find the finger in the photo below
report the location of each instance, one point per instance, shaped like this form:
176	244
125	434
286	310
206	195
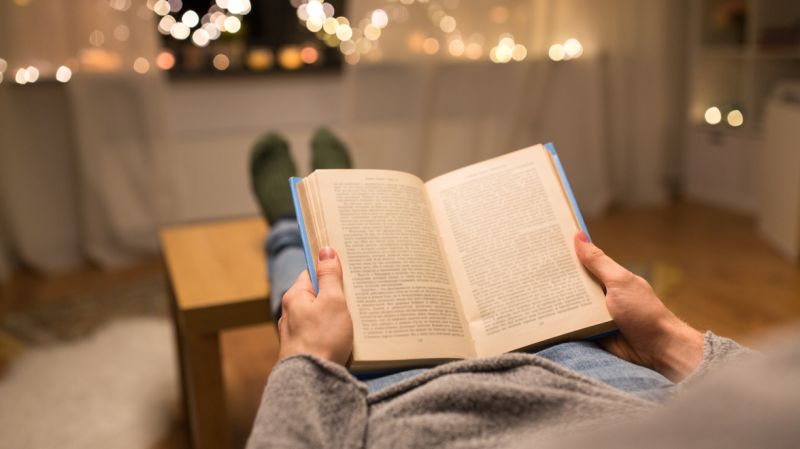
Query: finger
281	327
329	272
597	262
303	283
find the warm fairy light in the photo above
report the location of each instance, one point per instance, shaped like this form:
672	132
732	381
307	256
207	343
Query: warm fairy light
317	16
372	32
165	60
556	52
19	77
120	5
212	30
344	32
175	5
161	7
141	65
63	74
200	37
572	49
165	24
233	24
713	115
347	47
309	55
329	25
3	65
31	74
122	33
430	46
289	58
221	62
519	52
352	58
314	24
506	41
474	51
190	19
507	49
456	47
179	31
379	18
259	59
97	38
735	118
448	24
238	6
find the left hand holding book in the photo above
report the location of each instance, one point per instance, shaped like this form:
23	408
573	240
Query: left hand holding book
317	324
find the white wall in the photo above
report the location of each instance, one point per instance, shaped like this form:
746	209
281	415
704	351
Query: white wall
216	122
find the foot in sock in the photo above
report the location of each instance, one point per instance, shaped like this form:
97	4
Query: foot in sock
271	166
327	151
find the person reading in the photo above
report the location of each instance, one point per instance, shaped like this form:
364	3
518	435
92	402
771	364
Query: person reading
511	400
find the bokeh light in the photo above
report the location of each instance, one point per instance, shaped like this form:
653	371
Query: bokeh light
713	115
165	60
221	62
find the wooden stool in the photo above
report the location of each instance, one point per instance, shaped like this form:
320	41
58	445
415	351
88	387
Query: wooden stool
218	280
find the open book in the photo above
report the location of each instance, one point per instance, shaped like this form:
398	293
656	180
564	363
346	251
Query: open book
476	262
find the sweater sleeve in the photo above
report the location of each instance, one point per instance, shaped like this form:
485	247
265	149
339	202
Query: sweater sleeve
717	351
309	402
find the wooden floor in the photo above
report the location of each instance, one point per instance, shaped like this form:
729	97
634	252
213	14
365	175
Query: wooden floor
709	266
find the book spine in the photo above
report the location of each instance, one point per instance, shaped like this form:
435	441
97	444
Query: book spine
561	174
312	272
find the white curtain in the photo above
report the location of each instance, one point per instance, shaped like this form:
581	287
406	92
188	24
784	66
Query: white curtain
80	175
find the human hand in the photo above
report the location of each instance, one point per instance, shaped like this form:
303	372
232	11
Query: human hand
650	335
318	325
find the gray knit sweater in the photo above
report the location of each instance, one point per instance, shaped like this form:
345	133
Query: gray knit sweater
513	400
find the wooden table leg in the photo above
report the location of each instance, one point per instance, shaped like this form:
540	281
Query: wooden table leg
205	392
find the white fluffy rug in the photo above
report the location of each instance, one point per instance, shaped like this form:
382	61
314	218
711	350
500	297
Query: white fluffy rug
114	390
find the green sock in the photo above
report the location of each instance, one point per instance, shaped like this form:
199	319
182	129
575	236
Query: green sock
327	151
271	166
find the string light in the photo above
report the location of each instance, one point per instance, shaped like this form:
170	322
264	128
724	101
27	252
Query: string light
570	49
165	60
200	37
31	74
232	24
141	65
221	62
713	115
507	49
179	31
63	74
20	77
259	59
190	19
319	17
735	118
556	52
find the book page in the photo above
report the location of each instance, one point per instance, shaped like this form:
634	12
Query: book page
398	286
508	230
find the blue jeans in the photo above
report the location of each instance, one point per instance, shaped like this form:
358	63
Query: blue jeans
287	260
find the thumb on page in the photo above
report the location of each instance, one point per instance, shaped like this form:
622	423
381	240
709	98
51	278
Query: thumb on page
329	273
597	262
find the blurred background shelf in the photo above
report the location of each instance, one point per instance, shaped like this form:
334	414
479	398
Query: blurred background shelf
741	51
